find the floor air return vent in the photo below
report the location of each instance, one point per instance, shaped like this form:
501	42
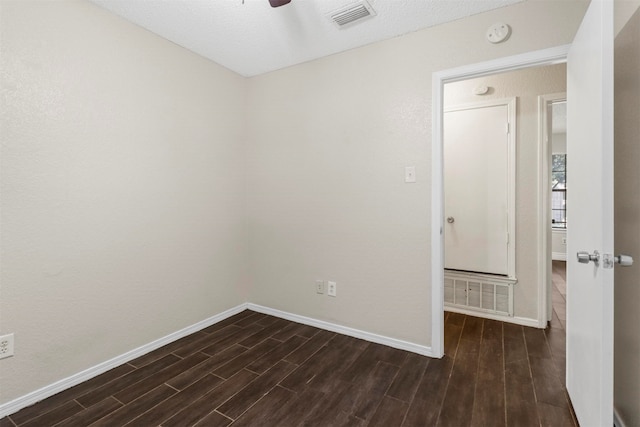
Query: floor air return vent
468	293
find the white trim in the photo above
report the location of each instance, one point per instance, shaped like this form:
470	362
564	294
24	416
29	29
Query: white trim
468	275
617	419
480	104
437	217
554	55
66	383
523	321
344	330
544	229
558	256
511	104
29	399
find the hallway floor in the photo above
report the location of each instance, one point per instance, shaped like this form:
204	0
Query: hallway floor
559	292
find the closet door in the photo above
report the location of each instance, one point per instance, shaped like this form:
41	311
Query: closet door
476	187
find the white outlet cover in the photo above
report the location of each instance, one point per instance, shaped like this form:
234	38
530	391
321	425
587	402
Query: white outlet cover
6	346
331	289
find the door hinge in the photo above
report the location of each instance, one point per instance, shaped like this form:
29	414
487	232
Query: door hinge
507	238
507	128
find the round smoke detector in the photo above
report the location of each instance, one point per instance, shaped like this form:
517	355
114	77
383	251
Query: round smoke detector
497	33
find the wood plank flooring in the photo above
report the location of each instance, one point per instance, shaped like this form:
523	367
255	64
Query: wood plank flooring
257	370
559	291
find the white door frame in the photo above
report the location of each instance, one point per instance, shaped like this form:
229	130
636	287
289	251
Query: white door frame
544	198
549	56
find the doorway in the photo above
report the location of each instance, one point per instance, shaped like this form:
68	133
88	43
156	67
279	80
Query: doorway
589	345
553	145
501	153
520	62
533	194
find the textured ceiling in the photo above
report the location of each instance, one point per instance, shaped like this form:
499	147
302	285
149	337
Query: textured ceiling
251	38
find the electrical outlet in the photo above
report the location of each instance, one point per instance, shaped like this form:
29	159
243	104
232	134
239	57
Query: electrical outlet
331	289
6	346
319	287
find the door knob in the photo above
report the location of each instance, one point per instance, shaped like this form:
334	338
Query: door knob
607	259
451	220
585	257
623	260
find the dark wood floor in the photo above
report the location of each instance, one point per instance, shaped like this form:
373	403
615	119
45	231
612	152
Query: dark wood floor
253	369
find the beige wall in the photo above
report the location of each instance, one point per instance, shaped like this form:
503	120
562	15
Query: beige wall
330	140
122	189
627	221
126	164
624	10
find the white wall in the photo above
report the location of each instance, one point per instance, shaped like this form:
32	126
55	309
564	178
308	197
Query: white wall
526	85
330	140
122	189
627	221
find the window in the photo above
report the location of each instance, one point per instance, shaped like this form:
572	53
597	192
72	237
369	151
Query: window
559	191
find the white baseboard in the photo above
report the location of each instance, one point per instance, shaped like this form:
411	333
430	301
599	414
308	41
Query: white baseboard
522	321
48	391
559	256
526	321
617	420
344	330
29	399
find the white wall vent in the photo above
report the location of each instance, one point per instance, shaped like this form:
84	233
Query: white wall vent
349	14
478	292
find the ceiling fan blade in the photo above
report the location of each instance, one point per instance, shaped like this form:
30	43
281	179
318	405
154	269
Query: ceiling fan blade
278	3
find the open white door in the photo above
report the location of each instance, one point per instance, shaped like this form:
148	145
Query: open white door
590	217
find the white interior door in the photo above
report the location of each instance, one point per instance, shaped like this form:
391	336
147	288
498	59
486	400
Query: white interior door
590	217
476	184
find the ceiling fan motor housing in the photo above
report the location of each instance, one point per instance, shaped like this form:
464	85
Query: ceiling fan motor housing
278	3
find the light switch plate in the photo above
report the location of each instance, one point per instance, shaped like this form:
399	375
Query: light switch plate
410	174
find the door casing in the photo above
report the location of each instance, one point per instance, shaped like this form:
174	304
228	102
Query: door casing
542	57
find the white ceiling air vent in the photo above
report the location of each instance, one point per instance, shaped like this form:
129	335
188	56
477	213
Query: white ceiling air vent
352	13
